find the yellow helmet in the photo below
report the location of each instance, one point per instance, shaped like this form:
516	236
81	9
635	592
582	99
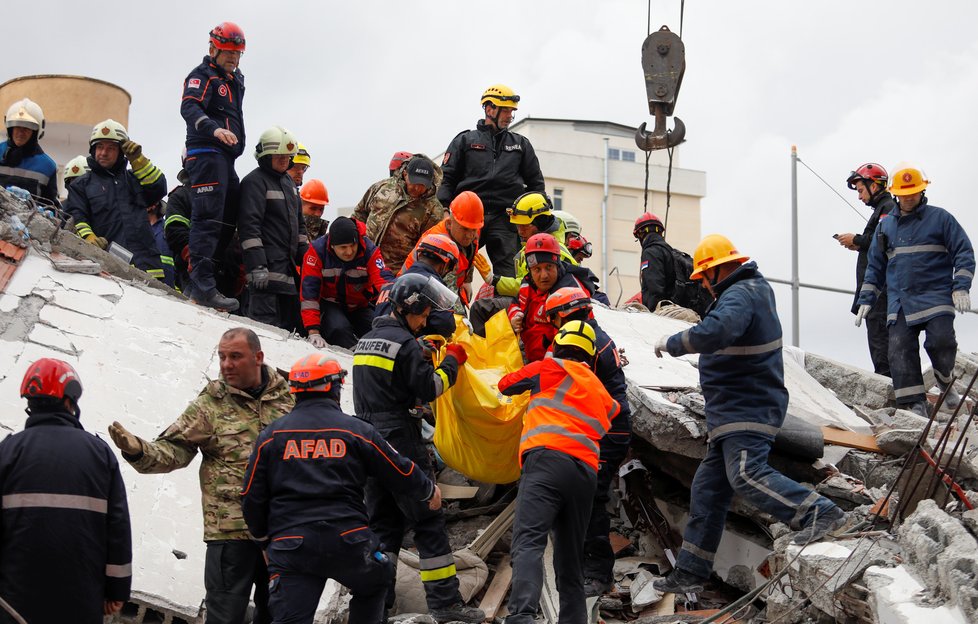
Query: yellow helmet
25	114
76	167
501	96
712	251
109	130
908	180
528	207
302	156
276	140
577	334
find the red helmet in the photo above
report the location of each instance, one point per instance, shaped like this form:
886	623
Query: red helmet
579	245
868	172
646	220
315	373
442	247
52	379
567	300
398	159
228	36
542	247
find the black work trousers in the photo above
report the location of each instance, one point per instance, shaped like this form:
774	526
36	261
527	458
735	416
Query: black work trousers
501	241
342	327
941	345
214	190
599	556
556	493
392	513
878	336
301	560
274	309
231	568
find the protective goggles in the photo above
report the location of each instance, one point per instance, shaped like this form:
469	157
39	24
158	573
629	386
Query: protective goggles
505	98
233	39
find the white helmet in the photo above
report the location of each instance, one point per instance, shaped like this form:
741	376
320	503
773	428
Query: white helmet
571	224
109	130
276	140
76	167
25	114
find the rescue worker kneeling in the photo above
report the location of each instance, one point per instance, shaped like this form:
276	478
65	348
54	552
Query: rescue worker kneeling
391	376
303	498
569	413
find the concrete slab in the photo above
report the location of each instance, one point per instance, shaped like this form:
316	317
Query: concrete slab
898	598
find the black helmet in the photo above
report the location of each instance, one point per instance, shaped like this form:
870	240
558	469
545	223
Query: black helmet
412	293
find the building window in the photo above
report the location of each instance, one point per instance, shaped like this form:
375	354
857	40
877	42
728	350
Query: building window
627	262
628	156
614	153
558	199
619	154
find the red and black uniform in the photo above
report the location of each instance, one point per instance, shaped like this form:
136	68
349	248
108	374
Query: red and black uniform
391	376
569	412
303	502
65	540
337	298
211	100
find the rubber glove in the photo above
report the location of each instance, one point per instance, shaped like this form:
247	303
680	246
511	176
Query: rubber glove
458	352
481	265
861	314
962	301
317	341
660	346
134	153
98	241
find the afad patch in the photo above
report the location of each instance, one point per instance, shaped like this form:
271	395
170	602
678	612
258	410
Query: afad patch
193	83
445	158
380	263
645	264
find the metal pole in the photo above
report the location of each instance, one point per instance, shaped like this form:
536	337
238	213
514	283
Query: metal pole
795	311
604	220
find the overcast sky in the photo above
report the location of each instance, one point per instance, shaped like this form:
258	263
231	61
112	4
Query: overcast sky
846	82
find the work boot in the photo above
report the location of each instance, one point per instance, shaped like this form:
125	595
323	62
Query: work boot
824	523
920	408
218	301
679	582
595	587
952	399
458	612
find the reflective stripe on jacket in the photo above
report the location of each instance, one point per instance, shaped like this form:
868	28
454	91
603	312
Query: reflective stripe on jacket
570	411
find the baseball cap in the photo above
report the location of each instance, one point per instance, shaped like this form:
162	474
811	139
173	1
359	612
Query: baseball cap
421	171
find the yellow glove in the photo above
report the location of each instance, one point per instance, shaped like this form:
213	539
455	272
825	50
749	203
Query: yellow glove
98	241
481	265
134	153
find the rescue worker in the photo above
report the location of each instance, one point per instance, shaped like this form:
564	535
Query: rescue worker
211	107
572	227
547	273
579	247
568	413
109	202
869	181
568	305
436	256
303	498
315	198
300	163
342	275
272	232
657	272
924	258
401	209
65	539
461	224
398	160
22	161
498	166
222	423
75	168
742	374
154	213
391	376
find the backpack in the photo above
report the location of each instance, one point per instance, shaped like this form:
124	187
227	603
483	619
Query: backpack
686	292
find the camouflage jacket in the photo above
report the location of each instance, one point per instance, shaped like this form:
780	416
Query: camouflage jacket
386	209
223	424
315	227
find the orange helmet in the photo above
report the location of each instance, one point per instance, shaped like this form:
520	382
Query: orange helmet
228	36
315	373
566	301
467	210
442	247
314	192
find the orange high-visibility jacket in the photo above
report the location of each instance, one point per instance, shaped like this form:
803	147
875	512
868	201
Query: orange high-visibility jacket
570	410
462	271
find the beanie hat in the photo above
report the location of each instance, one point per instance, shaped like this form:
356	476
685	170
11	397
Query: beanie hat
343	231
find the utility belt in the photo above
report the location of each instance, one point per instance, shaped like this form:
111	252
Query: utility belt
397	418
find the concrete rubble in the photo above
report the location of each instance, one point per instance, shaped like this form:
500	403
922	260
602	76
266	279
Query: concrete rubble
148	351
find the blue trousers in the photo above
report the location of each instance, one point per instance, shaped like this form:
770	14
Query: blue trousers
940	344
737	464
214	196
302	559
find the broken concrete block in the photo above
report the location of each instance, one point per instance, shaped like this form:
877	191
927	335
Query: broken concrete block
641	591
852	385
902	433
970	520
944	553
896	597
